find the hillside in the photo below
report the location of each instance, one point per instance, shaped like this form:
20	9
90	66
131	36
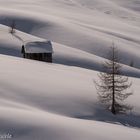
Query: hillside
58	101
39	111
90	26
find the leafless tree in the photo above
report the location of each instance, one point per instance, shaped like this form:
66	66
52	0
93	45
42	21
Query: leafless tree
12	27
132	63
113	87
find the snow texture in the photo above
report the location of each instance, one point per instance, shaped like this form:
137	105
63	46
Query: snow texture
58	101
38	47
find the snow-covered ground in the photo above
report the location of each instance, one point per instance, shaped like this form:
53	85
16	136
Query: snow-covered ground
56	101
51	101
90	25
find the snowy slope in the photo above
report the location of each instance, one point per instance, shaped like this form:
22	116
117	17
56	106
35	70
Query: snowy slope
11	45
59	102
40	111
89	25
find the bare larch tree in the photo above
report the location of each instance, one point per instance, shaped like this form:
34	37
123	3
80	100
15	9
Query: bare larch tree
113	86
12	27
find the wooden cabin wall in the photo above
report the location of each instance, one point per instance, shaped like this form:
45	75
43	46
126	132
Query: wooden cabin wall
47	57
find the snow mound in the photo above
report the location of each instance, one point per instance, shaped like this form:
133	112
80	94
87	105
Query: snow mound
37	109
89	25
59	102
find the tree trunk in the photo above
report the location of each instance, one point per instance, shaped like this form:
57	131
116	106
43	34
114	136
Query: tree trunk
113	109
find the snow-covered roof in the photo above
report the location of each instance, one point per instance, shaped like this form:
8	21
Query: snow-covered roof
39	47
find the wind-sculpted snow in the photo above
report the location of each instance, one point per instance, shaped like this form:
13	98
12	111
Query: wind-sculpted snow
90	26
58	101
51	101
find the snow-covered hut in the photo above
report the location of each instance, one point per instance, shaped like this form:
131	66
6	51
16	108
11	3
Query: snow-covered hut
37	50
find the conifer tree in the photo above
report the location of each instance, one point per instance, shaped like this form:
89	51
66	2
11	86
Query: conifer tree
113	87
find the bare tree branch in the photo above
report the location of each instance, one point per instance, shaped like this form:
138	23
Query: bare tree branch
112	86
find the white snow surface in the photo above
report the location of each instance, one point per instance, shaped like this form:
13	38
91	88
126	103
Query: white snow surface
90	26
58	101
39	47
48	101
